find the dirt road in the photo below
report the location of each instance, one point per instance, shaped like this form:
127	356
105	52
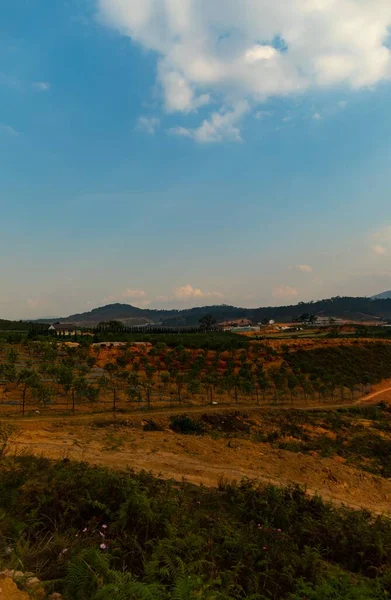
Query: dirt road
38	421
204	460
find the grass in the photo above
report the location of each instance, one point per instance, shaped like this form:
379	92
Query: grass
362	436
113	443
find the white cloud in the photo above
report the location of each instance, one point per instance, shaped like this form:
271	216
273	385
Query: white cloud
148	124
219	127
7	129
187	292
43	86
379	249
134	294
284	292
316	116
342	104
260	52
229	52
304	268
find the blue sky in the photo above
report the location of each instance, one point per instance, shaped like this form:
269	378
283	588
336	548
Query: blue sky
165	154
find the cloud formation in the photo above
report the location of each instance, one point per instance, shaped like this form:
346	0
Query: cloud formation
219	127
304	268
379	249
148	124
187	292
134	294
232	54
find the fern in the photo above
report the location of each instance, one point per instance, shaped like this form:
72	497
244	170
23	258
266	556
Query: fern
183	588
192	588
125	589
85	573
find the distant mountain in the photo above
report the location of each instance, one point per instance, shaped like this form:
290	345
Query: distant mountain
383	296
354	309
133	316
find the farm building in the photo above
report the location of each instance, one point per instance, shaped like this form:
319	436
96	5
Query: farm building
65	329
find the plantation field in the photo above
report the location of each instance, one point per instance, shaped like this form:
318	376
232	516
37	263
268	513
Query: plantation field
58	378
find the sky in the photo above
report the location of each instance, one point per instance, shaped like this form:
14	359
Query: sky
173	153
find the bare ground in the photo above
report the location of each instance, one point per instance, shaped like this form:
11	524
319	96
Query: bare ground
203	460
9	591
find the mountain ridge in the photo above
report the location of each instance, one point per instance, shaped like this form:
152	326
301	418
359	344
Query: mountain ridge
382	296
345	307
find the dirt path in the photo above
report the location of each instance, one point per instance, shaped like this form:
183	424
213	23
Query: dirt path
370	397
38	421
203	460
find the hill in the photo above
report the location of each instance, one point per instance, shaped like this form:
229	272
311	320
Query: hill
383	296
349	308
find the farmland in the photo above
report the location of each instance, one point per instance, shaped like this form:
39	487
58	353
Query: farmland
103	449
51	376
70	378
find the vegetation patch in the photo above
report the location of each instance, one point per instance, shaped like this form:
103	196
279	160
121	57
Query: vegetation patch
186	425
92	534
231	422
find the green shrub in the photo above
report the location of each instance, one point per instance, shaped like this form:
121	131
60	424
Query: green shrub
185	425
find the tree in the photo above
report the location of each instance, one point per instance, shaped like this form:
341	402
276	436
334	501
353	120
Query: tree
132	389
165	378
180	384
194	386
207	322
65	378
112	369
81	389
27	378
12	356
292	384
263	384
147	384
42	392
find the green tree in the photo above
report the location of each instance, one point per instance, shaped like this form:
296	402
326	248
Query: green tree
207	322
132	389
112	371
27	378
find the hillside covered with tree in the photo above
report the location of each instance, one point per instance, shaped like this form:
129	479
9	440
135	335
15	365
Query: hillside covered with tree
358	309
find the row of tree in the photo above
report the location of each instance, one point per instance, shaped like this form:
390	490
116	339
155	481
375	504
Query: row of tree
179	375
